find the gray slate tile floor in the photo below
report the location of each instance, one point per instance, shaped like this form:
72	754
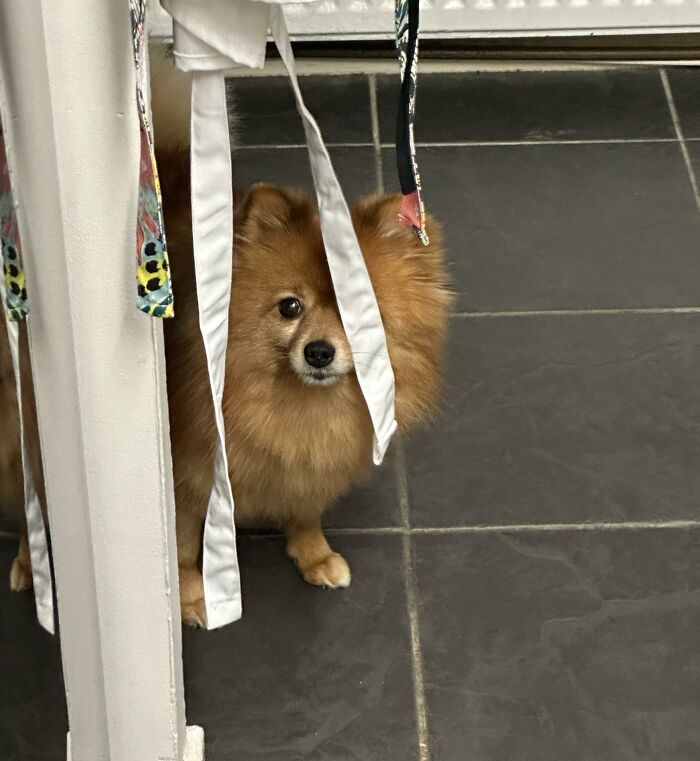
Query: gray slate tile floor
527	572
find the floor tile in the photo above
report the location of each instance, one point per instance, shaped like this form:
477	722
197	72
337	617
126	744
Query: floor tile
532	105
308	673
564	227
266	114
685	86
563	420
550	646
33	721
289	167
287	682
694	153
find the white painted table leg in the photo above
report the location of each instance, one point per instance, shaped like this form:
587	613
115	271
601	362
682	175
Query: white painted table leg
194	745
99	377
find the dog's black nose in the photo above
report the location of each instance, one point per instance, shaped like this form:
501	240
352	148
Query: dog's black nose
319	353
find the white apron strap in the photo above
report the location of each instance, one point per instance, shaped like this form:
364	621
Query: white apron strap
212	235
36	532
199	35
357	303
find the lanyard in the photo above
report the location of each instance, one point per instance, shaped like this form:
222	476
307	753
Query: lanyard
412	210
154	289
17	305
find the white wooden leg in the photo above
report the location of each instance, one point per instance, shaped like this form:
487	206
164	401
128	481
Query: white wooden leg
194	745
99	376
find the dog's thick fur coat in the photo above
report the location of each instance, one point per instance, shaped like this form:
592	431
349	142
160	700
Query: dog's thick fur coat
294	447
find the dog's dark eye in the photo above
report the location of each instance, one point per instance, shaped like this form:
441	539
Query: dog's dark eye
290	308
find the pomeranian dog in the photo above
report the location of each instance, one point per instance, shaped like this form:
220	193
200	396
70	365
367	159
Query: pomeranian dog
298	431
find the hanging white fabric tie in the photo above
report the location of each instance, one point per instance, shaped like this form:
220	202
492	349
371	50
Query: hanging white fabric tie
357	303
212	236
208	39
36	531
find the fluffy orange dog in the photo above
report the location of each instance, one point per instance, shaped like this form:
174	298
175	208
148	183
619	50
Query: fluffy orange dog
298	430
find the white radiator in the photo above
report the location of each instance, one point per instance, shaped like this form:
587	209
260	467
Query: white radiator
444	19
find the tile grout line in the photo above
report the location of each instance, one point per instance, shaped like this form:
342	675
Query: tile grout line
527	143
679	133
409	577
411	587
535	527
382	530
402	486
479	529
576	312
376	142
296	146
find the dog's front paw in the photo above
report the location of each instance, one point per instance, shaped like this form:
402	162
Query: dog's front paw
332	572
20	576
192	608
193	614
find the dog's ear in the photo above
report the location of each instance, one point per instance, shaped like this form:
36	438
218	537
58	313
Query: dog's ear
267	207
377	215
376	219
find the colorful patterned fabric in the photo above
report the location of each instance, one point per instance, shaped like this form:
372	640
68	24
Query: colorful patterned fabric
155	294
15	286
412	211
